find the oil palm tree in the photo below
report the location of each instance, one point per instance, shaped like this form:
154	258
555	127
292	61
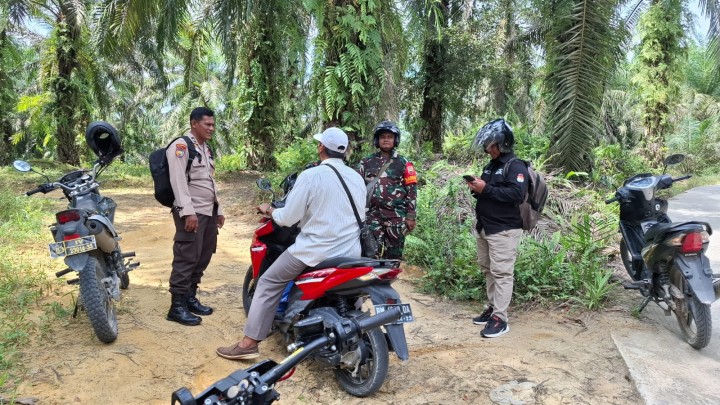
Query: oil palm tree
583	42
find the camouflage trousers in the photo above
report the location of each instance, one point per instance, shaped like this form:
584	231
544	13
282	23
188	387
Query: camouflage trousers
390	238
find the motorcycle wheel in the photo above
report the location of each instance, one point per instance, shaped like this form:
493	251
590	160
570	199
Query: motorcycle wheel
97	301
248	290
693	316
626	258
371	374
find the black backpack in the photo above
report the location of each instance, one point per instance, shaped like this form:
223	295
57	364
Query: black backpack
160	174
534	201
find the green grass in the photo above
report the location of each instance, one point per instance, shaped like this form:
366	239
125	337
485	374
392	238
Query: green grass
23	237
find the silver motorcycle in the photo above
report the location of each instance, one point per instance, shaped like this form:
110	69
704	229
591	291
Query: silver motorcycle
85	236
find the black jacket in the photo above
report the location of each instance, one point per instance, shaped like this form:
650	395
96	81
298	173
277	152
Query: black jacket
497	208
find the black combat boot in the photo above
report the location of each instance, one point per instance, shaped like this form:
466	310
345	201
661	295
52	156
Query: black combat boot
179	312
195	306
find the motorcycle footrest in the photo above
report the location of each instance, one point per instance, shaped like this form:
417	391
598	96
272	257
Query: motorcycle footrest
128	254
73	281
63	272
132	266
629	286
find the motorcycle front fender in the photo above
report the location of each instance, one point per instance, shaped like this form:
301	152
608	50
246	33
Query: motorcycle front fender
379	294
77	262
697	272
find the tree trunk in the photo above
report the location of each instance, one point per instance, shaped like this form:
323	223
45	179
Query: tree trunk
7	104
504	83
435	55
264	116
66	92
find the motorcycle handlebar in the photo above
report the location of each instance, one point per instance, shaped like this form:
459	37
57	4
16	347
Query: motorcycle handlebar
393	314
264	383
39	189
612	200
682	178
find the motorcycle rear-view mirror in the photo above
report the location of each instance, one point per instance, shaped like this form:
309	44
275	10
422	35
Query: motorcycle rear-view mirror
263	184
674	159
22	166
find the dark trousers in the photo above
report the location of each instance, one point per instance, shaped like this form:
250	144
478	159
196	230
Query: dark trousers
192	252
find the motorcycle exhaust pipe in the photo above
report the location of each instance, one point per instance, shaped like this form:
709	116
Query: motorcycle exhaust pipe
104	239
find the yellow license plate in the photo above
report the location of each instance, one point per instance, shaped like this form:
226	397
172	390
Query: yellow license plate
72	247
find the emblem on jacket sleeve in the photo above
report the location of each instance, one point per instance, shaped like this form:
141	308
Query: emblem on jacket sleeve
410	175
180	150
520	178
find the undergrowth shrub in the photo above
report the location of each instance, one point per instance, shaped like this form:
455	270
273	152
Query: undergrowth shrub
564	259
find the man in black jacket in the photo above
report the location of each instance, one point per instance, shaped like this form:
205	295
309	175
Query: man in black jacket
499	192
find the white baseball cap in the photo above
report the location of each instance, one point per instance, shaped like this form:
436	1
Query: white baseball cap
333	138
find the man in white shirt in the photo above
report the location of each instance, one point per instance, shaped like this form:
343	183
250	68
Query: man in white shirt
328	228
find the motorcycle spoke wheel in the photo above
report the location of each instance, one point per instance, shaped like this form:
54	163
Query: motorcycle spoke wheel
97	301
693	317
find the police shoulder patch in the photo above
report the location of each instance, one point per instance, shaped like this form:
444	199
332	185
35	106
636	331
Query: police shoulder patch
180	150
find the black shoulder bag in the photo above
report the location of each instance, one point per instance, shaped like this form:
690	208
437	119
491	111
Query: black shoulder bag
368	243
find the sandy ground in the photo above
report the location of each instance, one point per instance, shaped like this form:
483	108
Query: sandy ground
569	355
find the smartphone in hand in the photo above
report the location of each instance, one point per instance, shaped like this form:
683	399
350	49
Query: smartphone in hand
469	178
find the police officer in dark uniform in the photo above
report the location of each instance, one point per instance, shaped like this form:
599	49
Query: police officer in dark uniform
499	192
391	181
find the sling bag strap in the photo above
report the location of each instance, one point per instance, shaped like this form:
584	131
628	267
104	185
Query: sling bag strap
347	191
371	185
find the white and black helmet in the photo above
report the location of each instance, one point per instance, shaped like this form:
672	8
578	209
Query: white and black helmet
495	132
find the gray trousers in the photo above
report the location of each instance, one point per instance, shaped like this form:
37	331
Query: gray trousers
192	252
268	293
496	256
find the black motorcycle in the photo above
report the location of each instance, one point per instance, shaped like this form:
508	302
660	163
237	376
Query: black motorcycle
666	260
85	236
256	384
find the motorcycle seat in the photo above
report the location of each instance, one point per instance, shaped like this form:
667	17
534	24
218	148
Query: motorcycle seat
344	263
658	231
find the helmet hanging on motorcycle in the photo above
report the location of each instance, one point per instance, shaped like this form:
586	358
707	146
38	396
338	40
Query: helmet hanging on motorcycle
103	140
495	132
386	126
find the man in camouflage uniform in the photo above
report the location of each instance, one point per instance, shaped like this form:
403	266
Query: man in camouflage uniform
392	194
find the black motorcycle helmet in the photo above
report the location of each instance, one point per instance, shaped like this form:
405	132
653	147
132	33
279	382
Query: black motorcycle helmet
103	140
386	126
497	131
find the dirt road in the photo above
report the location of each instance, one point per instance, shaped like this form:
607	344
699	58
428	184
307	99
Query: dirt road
570	356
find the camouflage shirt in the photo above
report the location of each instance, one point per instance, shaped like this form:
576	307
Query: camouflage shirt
393	196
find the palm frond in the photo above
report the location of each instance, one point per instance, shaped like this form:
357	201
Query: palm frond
711	9
582	51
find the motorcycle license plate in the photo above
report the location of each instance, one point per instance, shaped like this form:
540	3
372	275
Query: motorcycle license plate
72	246
405	310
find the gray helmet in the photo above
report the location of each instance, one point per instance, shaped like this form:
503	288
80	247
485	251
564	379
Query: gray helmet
497	131
386	126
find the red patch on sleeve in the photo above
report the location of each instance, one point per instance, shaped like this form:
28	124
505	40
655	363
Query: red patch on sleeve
180	150
410	175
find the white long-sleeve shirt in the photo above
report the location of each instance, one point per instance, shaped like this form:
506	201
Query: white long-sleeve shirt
328	227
